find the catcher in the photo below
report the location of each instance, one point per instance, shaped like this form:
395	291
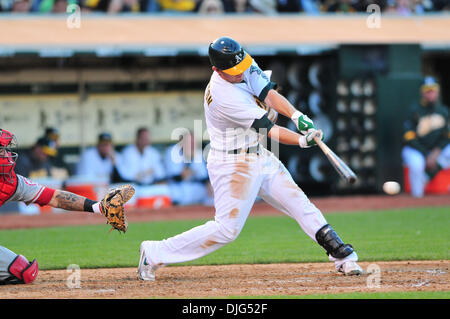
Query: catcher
16	268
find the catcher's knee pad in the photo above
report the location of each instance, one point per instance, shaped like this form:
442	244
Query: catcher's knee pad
25	271
332	243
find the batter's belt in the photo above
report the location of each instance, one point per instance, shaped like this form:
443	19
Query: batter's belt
251	149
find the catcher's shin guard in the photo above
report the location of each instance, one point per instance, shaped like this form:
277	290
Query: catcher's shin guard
332	243
22	271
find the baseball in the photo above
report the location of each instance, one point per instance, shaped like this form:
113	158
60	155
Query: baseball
391	188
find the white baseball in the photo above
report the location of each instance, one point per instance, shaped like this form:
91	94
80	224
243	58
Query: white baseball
391	188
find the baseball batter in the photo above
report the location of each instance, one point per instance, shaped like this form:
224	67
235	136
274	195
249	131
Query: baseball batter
16	269
240	168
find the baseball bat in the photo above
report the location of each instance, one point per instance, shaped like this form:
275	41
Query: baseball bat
337	163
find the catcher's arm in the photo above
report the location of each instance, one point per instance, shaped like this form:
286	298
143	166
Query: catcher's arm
70	201
111	206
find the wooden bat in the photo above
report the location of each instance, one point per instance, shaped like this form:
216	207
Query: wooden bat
338	164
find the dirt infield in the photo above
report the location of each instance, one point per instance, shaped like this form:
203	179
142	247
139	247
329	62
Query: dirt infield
233	280
236	280
326	205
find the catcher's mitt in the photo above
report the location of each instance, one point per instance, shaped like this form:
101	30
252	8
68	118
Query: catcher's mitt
112	207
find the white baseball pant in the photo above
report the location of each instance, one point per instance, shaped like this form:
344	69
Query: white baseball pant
237	180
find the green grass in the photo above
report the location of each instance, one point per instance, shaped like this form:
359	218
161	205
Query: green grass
407	234
361	295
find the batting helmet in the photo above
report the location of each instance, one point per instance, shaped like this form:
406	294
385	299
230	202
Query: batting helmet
227	55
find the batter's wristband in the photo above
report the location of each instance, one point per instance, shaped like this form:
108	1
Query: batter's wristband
295	116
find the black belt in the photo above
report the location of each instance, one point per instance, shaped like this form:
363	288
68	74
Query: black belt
252	149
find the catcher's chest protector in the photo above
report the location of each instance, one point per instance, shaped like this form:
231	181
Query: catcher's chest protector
7	189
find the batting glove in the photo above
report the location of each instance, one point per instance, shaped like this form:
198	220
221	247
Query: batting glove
302	122
307	140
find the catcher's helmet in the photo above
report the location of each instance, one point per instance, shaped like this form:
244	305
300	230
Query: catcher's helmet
227	55
8	156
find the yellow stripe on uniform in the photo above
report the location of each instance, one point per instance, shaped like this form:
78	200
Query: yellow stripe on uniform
426	87
241	66
410	135
49	150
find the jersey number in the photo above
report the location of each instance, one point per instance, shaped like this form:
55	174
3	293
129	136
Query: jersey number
208	96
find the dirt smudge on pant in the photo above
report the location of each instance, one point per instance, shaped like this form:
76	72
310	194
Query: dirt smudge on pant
240	181
289	183
209	243
234	213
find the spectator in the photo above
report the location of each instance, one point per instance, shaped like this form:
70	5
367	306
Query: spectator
405	7
52	135
151	6
362	5
37	164
177	5
426	138
117	6
21	6
98	162
6	5
236	6
211	7
310	6
54	6
264	6
441	5
187	173
343	6
140	162
93	5
60	6
284	6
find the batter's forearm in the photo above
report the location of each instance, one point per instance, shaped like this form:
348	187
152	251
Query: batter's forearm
279	103
284	135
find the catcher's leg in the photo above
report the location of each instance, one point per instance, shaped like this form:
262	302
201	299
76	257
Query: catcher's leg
235	190
280	191
16	269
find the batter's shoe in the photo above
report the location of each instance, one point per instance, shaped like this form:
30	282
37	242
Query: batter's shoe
350	268
146	271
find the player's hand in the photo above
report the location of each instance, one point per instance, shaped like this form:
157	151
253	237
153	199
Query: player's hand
112	156
186	173
303	123
307	140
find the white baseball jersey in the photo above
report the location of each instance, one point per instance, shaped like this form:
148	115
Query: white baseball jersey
231	108
92	165
144	168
